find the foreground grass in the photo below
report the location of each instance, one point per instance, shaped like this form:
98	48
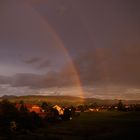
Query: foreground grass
99	126
89	126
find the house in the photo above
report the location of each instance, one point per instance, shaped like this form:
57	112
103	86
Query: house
59	109
33	108
38	110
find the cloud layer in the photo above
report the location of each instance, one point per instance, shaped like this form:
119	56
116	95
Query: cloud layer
39	39
110	65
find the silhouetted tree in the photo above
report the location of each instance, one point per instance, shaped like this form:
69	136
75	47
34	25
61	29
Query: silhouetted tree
53	115
45	106
120	106
8	111
23	108
73	109
36	121
67	114
81	108
8	114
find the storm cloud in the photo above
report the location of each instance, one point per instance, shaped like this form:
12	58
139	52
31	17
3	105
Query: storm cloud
40	42
110	65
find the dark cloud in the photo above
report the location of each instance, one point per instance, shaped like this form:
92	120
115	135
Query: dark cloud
110	66
32	60
62	78
52	79
5	80
98	66
35	1
101	37
44	64
38	62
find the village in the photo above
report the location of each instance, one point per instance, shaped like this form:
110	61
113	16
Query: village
45	110
19	118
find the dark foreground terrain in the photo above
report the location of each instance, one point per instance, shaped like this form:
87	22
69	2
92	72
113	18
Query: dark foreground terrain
100	126
106	125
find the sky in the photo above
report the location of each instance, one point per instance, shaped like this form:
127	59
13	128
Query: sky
87	48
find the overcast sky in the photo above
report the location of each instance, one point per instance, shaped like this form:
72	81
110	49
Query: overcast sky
50	45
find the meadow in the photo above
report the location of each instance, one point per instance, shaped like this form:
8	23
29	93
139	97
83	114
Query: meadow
106	125
102	125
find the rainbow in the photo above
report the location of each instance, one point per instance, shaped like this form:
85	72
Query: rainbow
61	46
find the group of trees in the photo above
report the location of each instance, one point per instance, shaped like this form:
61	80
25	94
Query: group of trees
13	119
120	106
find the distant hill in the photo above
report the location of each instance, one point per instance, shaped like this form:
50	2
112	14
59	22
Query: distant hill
64	100
8	97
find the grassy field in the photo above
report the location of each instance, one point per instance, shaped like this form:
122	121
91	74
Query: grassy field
107	125
99	126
